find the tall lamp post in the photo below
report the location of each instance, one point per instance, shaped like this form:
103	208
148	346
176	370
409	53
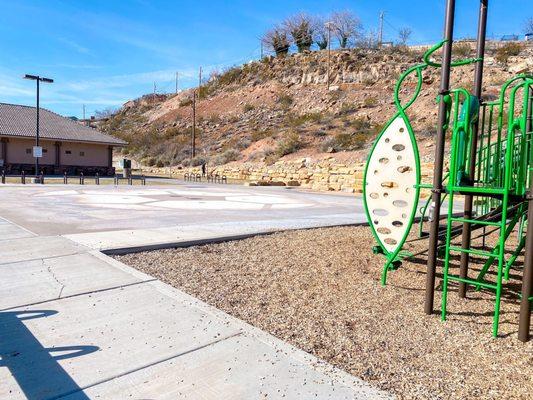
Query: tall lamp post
328	26
36	152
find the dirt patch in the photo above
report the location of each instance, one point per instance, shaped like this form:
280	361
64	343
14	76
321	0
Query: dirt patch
319	290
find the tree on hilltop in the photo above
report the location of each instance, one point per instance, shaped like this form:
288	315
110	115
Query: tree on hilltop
301	27
528	25
277	40
347	27
404	34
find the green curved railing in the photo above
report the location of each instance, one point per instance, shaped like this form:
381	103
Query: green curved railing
394	257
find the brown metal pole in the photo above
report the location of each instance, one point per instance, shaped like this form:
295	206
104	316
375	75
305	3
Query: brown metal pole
439	158
524	325
469	199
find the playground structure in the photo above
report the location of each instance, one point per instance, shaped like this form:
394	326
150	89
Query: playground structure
490	167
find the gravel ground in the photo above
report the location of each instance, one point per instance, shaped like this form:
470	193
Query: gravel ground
319	290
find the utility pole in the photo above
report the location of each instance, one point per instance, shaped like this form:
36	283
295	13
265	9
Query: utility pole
176	82
380	37
328	26
200	83
193	137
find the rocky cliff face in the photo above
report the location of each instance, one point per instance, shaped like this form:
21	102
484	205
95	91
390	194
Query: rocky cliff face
280	109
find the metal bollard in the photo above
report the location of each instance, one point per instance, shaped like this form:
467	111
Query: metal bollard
3	176
143	180
82	179
65	178
23	177
224	179
97	178
42	178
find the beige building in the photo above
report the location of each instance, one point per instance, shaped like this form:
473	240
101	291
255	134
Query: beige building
67	145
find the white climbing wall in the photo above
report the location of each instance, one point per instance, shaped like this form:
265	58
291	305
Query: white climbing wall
390	180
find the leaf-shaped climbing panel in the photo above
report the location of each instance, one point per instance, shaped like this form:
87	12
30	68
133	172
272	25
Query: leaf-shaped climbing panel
391	176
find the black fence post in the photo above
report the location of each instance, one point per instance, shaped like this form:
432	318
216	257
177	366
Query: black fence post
97	178
42	178
81	178
143	180
65	178
3	176
23	178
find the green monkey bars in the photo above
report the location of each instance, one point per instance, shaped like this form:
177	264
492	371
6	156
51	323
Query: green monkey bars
490	166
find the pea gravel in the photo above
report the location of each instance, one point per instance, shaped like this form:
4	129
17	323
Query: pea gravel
319	290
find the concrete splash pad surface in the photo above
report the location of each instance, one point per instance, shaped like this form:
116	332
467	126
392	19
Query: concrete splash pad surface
77	324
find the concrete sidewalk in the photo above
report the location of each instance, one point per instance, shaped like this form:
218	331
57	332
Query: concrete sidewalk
77	324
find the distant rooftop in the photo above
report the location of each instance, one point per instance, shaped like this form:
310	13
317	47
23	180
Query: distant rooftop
20	121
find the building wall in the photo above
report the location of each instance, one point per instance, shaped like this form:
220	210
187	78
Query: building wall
84	154
77	154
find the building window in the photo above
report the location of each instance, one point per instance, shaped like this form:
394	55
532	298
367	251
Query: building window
45	150
82	153
28	151
68	152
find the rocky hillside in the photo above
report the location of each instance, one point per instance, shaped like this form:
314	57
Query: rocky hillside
281	108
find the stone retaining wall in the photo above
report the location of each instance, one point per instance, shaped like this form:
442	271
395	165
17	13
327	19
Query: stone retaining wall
326	175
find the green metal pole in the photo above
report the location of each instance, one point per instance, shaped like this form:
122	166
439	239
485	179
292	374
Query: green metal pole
478	81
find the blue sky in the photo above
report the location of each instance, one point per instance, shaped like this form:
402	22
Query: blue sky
102	53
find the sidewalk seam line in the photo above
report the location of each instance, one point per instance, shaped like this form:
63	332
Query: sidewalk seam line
183	353
79	294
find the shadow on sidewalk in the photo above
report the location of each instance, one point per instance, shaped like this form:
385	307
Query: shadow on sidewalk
35	367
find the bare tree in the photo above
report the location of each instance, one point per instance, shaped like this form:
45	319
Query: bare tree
528	25
347	27
404	34
321	33
105	113
277	40
368	40
301	27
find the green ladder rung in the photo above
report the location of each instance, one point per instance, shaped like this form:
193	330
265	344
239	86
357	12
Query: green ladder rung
472	282
473	251
476	221
475	189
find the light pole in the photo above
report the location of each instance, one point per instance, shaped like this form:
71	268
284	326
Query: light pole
36	152
328	27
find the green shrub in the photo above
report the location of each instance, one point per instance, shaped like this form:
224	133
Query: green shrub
227	156
285	100
462	50
370	102
289	144
304	118
186	102
248	107
347	108
229	76
261	134
345	142
508	50
197	161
